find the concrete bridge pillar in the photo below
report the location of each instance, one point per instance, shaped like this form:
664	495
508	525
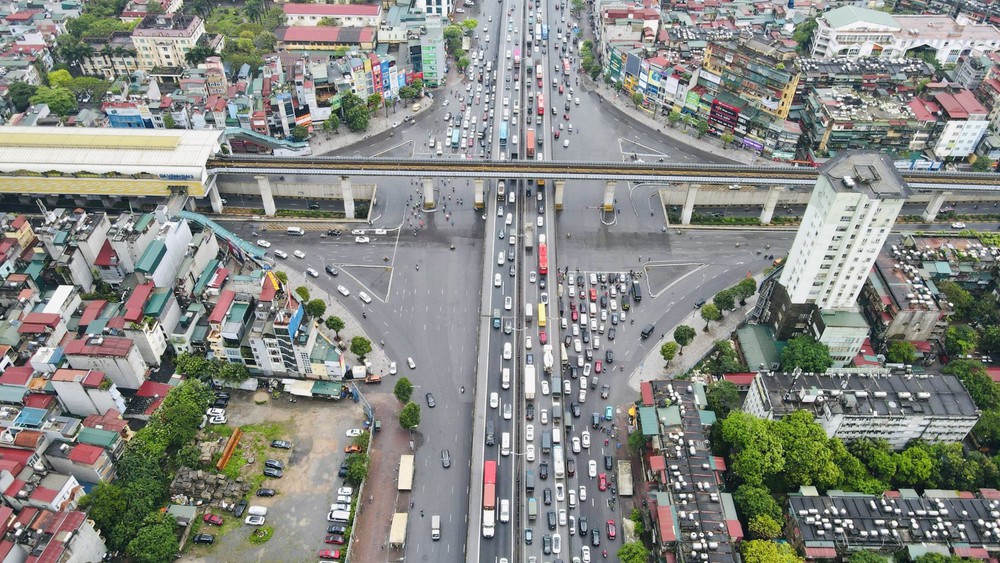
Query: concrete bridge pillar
428	193
347	192
772	201
264	185
215	199
191	204
560	189
480	194
609	195
692	194
934	205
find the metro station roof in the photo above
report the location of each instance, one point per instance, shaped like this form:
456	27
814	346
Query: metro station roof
99	151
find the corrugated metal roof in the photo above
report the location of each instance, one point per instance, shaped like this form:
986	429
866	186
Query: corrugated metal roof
151	258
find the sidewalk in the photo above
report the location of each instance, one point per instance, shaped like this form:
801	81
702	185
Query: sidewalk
652	366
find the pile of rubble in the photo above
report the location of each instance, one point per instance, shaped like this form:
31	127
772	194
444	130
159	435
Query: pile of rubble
205	487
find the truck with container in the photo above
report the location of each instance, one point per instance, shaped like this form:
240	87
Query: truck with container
547	358
558	462
529	382
529	236
489	498
565	356
529	143
625	478
546	442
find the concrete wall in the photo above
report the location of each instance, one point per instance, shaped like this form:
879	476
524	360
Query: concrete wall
723	196
327	188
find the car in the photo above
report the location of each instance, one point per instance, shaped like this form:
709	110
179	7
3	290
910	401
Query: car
494	400
575	408
344	467
592	468
605	391
576	444
507	411
431	403
273	473
445	459
312	272
585	438
543	416
584	527
364	297
337	539
393	369
598	366
352	449
213	519
281	254
595	537
529	411
547	496
552	518
299	254
240	508
609	412
263	492
343	291
501	258
338	506
329	554
263	243
507	351
543	470
529	452
585	554
958	225
216	412
497	281
612	531
336	529
560	492
410	363
576	101
543	338
331	270
611	331
571	467
362	240
562	517
253	520
274	464
528	536
508	303
609	356
353	433
602	481
217	420
547	543
608	462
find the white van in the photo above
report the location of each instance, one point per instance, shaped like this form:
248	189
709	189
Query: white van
505	443
435	527
256	510
508	53
527	312
339	516
505	510
557	435
505	378
593	309
295	231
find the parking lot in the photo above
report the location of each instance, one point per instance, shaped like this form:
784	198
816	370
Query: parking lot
305	491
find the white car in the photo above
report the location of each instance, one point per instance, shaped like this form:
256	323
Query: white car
583	492
561	491
497	280
572	498
218	420
312	272
216	412
529	432
410	363
392	368
545	388
576	444
566	143
527	342
263	243
501	259
579	361
255	520
532	276
596	341
543	415
508	412
575	330
583	395
509	219
577	345
281	254
586	368
529	452
585	438
345	491
562	517
540	221
576	101
508	303
364	297
585	552
592	469
299	254
361	240
494	400
357	231
958	225
353	432
507	351
343	290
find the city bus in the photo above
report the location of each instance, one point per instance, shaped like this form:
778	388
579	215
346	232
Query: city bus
543	259
541	314
503	133
541	103
545	32
454	138
565	67
558	467
517	58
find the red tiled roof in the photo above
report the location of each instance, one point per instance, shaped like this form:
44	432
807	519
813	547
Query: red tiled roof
657	462
646	391
973	552
111	346
739	379
327	34
969	103
219	278
18	222
91	312
989	493
16	375
48	319
15	486
43	494
735	529
152	389
332	10
61	526
105	255
720	464
39	401
31	328
22	16
821	552
222	306
665	518
85	453
118	322
137	302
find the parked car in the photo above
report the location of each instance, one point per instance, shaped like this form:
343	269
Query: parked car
204	538
213	519
273	473
281	444
241	507
352	449
266	492
255	520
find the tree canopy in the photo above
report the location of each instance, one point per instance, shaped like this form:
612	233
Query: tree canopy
409	417
60	100
683	335
723	397
403	390
360	346
901	352
764	551
806	353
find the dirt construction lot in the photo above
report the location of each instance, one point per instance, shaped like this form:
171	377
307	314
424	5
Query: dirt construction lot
317	430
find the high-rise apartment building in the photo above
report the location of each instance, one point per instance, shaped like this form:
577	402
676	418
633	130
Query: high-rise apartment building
850	214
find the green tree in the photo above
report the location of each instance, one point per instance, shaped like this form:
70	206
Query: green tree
866	557
330	22
723	397
374	102
198	54
725	300
300	133
316	308
756	453
901	352
989	340
984	392
913	467
722	360
961	340
60	100
877	457
634	551
753	501
360	346
336	324
764	527
638	98
803	35
727	138
673	118
403	390
983	165
463	62
636	442
234	373
357	469
357	118
156	541
683	335
409	417
72	51
194	365
960	299
638	525
60	78
807	353
987	429
701	126
668	351
303	292
808	459
765	551
282	277
20	94
745	290
709	313
332	124
168	121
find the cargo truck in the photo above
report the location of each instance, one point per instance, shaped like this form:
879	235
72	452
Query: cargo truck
489	498
624	478
529	382
529	143
547	358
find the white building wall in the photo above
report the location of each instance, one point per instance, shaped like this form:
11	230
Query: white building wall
959	138
175	235
127	372
85	545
